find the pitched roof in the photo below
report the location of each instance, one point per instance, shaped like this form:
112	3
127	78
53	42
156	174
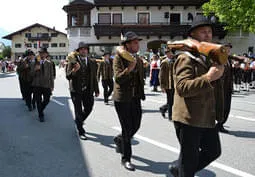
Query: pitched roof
79	3
9	36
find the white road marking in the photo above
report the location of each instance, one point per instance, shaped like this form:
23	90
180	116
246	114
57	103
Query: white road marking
243	118
58	102
175	150
156	101
248	102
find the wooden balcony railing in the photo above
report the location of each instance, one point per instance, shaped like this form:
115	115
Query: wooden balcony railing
156	29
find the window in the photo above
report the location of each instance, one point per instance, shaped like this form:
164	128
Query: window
46	45
175	18
28	45
28	35
54	45
116	18
45	34
54	34
74	20
143	18
17	45
85	20
104	18
62	44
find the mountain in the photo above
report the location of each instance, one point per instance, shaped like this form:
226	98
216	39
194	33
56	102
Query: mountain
4	33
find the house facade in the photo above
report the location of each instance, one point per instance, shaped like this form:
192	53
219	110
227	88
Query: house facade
100	23
35	36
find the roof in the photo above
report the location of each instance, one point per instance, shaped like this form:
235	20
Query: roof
9	36
100	3
79	3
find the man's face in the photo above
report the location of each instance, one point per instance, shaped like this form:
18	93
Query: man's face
107	56
43	55
203	33
83	52
133	46
169	55
30	57
228	49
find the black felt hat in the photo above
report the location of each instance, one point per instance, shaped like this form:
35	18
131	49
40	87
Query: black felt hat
200	21
129	36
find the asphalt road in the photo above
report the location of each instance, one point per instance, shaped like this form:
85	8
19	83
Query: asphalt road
29	148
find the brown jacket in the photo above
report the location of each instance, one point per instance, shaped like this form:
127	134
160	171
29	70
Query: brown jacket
24	70
75	78
43	77
166	74
127	85
197	102
105	70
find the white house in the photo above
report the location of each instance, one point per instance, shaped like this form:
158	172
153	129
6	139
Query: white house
35	36
101	22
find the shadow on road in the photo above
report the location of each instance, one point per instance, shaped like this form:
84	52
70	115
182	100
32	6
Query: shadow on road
29	148
5	75
162	168
106	140
242	134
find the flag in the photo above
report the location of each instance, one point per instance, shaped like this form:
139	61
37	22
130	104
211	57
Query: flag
38	44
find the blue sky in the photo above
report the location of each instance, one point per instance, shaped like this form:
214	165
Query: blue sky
24	13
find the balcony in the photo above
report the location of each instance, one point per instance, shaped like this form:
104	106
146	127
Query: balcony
157	29
106	3
39	38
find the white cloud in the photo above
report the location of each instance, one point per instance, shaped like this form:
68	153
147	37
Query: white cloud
18	14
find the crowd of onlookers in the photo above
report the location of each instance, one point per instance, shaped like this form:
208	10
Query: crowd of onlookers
7	66
243	72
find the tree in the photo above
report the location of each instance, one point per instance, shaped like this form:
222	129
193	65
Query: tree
235	13
6	52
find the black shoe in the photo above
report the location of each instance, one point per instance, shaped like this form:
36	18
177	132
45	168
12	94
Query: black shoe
173	170
128	165
30	108
118	144
41	118
223	130
83	136
162	112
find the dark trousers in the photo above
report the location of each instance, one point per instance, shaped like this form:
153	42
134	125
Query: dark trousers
227	107
130	115
22	87
199	147
83	104
42	98
170	101
108	88
28	90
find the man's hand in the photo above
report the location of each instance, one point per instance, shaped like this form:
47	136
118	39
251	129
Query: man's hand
215	72
76	67
97	94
